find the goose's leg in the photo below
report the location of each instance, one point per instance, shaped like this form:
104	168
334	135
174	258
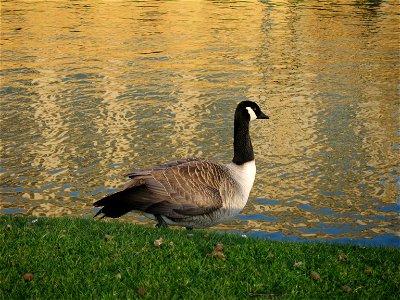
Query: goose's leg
161	221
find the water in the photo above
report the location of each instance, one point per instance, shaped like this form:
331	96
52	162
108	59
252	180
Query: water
90	88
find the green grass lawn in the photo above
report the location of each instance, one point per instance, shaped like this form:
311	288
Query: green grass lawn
77	258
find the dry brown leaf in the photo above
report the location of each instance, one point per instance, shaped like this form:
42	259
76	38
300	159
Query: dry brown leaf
217	251
219	247
314	275
157	243
108	237
368	270
218	254
347	289
298	264
342	257
141	291
28	276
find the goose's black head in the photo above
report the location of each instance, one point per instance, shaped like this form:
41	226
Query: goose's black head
250	111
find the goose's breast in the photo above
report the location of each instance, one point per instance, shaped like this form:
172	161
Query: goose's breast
244	176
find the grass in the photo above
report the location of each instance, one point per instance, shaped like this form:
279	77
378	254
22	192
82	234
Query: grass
74	258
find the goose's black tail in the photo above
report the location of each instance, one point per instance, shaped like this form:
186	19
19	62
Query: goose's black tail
115	205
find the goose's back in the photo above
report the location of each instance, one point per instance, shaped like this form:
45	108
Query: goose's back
193	180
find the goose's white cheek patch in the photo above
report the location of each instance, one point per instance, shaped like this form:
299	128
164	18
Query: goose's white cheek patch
252	114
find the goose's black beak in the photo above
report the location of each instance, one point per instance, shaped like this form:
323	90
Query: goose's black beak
262	116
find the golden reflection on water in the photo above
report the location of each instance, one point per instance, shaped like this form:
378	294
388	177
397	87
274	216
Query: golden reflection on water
89	89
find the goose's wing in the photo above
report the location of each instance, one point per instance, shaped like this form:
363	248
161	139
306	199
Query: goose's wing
170	164
180	189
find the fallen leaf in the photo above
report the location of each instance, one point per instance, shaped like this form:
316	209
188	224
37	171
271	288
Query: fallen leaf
28	276
219	247
219	254
347	289
118	276
157	243
141	291
9	226
368	270
108	237
217	251
314	275
298	264
342	257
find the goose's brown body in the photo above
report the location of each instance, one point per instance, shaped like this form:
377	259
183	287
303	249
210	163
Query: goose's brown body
193	192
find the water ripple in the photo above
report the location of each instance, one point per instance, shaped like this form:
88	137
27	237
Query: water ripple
88	90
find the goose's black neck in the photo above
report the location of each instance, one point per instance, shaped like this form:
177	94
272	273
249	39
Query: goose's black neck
242	147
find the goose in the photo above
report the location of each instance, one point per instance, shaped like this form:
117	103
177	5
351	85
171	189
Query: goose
192	192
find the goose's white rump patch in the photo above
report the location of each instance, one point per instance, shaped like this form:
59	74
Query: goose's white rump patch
252	114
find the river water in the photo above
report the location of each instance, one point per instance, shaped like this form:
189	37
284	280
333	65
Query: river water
91	88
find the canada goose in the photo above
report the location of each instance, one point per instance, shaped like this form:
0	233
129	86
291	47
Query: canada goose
192	192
